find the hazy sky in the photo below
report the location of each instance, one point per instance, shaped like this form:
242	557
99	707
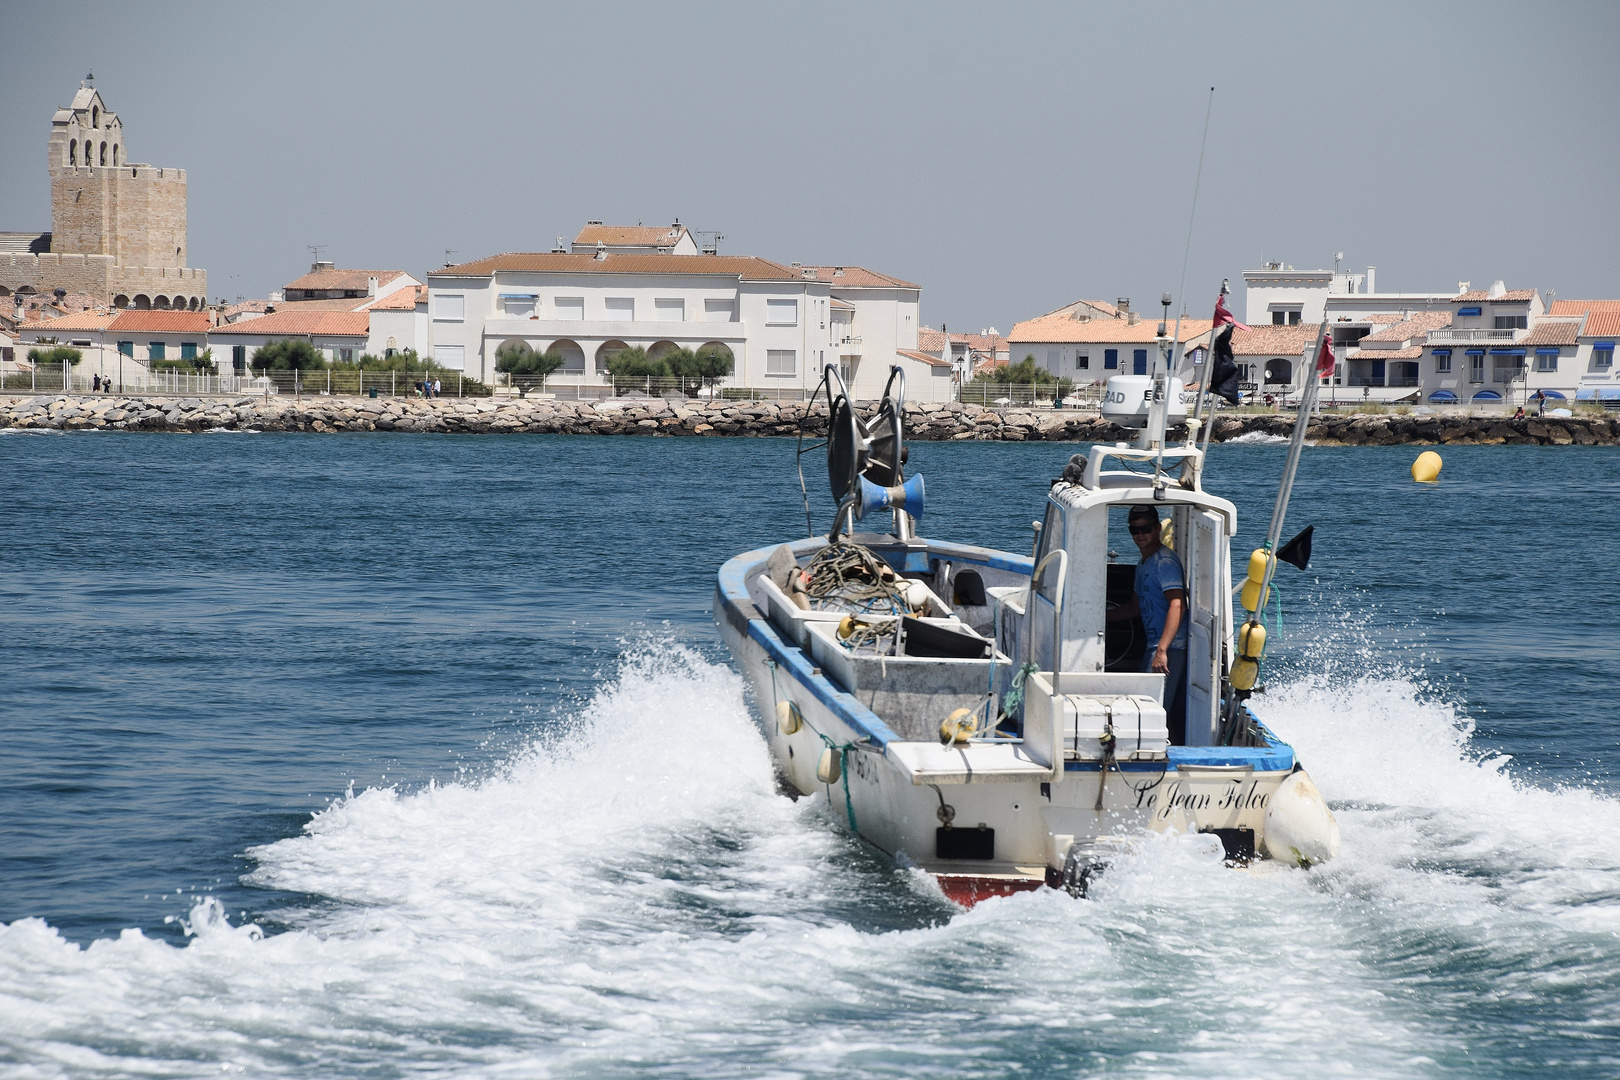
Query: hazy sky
1009	158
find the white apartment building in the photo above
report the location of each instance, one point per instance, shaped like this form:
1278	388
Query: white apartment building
780	323
1476	347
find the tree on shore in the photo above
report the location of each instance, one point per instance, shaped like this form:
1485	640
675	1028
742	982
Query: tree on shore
518	358
289	355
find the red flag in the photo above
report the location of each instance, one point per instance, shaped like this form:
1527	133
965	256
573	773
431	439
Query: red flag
1224	317
1324	357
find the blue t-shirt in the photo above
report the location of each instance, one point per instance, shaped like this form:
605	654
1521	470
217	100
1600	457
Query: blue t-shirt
1156	575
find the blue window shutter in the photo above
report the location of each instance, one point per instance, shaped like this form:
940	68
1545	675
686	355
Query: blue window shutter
1110	358
1139	362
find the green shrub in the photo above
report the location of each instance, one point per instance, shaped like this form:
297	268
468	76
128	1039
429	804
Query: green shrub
289	356
55	355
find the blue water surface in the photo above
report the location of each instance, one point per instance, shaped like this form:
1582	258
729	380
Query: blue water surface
209	638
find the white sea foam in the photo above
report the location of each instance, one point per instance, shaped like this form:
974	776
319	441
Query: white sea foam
1256	437
629	895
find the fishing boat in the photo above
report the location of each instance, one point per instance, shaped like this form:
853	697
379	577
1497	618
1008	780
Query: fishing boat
976	713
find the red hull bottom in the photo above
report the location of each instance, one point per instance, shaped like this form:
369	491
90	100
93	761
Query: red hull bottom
965	890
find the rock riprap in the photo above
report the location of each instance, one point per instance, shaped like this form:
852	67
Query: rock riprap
925	421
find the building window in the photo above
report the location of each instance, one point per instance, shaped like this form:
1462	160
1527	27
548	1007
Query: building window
1547	362
1139	362
1603	358
620	308
453	357
670	310
1082	361
1476	369
1293	318
718	310
1110	359
1512	322
127	348
1442	364
239	358
346	355
781	362
73	151
154	350
1279	318
781	313
571	308
518	307
449	307
188	350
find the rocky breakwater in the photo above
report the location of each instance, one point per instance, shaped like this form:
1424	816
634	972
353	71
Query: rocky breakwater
1378	429
643	416
925	421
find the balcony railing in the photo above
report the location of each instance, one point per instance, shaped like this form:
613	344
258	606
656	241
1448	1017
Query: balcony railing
1439	337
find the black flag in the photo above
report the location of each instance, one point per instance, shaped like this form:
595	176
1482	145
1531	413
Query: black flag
1223	370
1297	552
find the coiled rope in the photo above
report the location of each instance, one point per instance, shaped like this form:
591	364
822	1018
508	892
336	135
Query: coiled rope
848	577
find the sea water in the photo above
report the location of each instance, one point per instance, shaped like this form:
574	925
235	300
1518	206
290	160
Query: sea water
410	755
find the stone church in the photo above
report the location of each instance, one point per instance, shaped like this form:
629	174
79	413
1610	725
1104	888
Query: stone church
118	228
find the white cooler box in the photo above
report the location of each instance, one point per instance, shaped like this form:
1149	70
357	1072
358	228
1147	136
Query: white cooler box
1138	723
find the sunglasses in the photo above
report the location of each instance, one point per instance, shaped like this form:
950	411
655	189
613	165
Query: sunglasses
1143	530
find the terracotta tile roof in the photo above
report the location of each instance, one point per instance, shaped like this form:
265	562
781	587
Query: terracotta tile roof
931	340
1064	329
842	305
344	279
162	322
744	267
84	320
1581	307
1484	295
857	277
1551	332
1098	308
931	361
1273	340
1604	324
1411	352
303	323
256	306
335	303
400	300
638	235
1417	326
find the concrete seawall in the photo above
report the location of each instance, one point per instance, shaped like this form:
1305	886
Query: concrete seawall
932	421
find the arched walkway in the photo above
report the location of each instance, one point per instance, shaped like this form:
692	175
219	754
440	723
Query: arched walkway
1279	371
607	349
661	348
143	302
120	301
161	303
573	356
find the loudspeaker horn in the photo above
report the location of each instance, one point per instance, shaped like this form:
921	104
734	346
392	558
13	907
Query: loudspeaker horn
907	497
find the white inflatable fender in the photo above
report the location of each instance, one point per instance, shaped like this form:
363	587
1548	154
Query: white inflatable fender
1300	829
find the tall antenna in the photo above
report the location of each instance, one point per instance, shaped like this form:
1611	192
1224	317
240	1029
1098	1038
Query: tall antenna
448	261
1192	216
315	249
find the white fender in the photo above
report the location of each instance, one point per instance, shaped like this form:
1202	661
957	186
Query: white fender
1300	829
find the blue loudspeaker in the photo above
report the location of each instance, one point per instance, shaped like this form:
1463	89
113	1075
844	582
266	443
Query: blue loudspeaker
907	497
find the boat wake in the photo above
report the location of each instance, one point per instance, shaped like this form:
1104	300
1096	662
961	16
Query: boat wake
629	894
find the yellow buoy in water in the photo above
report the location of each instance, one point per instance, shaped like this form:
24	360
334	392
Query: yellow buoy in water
1426	469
